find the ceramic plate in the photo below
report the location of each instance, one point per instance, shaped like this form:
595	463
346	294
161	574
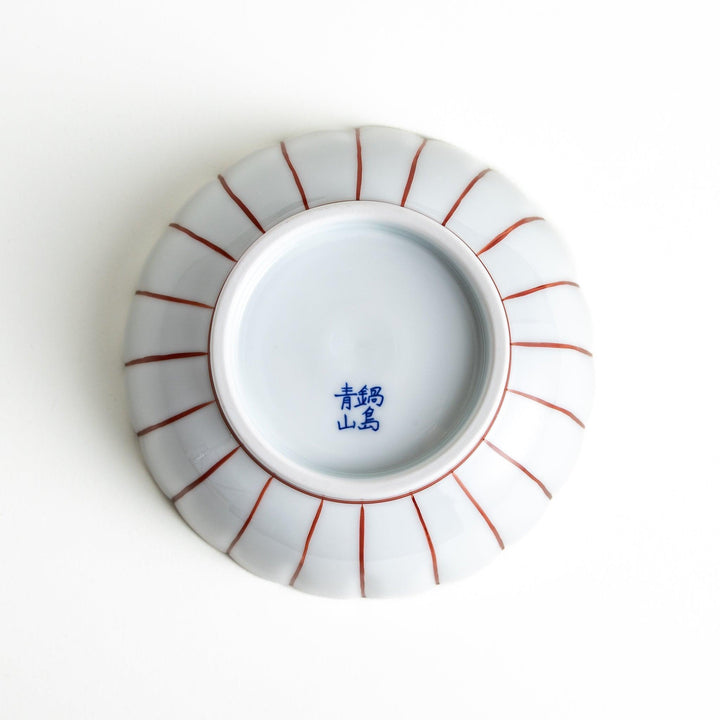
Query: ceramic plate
358	363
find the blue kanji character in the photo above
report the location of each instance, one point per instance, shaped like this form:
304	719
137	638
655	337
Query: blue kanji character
362	396
346	425
375	396
369	423
346	393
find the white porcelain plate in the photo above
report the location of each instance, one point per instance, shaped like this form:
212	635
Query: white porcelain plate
358	363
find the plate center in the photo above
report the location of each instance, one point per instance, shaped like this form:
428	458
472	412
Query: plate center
355	346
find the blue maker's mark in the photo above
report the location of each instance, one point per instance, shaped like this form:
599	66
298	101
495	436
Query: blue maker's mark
367	398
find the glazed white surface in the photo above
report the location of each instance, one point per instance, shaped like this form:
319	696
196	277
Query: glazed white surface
359	290
340	311
447	526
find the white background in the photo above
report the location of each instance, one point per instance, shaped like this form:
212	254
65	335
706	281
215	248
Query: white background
606	114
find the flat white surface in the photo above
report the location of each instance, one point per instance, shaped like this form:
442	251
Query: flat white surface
112	114
349	296
332	311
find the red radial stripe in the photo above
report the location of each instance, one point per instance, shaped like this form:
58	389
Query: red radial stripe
411	174
573	417
240	204
361	550
250	516
204	476
294	174
481	511
358	147
162	358
429	540
469	187
174	418
519	467
307	544
172	299
553	346
202	240
540	287
506	232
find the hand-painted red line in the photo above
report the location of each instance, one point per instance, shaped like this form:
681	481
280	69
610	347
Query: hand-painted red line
170	298
307	544
202	240
573	417
538	288
250	516
506	232
411	174
162	358
358	146
551	345
429	540
294	174
469	187
172	419
240	204
204	476
519	467
481	511
361	550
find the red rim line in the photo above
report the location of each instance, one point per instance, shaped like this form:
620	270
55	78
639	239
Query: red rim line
520	467
164	358
296	177
307	544
250	516
431	547
553	346
173	299
538	288
174	418
240	204
485	517
204	476
411	174
467	189
204	241
499	238
550	405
